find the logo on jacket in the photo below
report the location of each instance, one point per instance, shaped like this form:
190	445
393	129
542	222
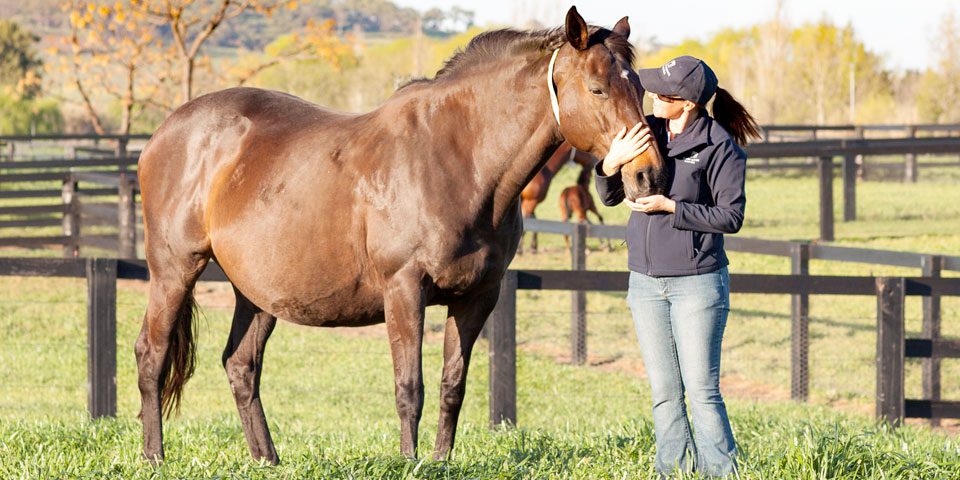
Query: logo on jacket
692	159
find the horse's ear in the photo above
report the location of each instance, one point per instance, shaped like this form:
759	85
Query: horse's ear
577	33
622	28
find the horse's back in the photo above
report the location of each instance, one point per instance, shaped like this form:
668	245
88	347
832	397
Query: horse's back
238	174
203	138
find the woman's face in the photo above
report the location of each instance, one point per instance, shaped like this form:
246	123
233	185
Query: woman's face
670	108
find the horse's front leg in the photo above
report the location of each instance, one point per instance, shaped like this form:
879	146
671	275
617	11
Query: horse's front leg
464	321
404	310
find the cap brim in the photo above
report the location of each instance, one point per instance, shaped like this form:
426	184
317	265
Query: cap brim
652	81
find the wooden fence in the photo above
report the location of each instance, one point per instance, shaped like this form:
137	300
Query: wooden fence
892	347
95	205
800	254
123	161
824	151
774	133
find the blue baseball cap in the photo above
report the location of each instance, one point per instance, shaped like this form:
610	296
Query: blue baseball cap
686	77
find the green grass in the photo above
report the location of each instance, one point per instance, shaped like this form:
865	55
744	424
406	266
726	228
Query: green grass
329	399
329	395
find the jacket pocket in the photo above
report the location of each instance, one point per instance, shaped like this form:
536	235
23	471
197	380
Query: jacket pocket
671	249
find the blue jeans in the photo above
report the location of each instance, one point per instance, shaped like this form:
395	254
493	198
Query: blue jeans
680	323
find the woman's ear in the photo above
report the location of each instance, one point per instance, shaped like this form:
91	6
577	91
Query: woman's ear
688	105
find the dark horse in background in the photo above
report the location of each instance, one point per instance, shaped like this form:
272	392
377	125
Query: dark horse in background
426	192
535	192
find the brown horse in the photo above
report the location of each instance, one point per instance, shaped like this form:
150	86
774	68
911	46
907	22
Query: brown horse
426	190
576	201
535	192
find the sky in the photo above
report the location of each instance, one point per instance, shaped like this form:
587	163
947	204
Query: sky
902	32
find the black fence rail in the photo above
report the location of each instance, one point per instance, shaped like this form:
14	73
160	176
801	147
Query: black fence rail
774	133
92	208
818	155
73	146
892	346
851	152
800	254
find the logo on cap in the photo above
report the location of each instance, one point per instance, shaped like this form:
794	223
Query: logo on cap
666	67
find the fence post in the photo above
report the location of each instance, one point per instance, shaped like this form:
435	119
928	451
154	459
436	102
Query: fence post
826	198
578	298
126	218
849	188
121	153
890	349
503	354
932	266
69	195
910	160
800	326
102	337
860	160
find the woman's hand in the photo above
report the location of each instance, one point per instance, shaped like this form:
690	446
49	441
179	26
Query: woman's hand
625	147
652	204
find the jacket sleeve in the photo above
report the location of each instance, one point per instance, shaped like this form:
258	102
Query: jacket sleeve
610	188
725	177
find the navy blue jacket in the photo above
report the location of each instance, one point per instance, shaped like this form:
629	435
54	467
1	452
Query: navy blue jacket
707	170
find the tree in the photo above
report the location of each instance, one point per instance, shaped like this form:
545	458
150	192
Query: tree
770	56
113	51
19	63
193	22
787	74
23	111
433	20
939	95
317	42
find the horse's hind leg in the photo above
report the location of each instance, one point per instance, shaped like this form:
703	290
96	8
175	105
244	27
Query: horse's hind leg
165	347
464	322
243	362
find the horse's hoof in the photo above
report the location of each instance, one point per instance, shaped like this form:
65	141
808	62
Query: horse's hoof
271	460
154	459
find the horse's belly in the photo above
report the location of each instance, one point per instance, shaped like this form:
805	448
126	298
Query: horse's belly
347	307
306	295
299	277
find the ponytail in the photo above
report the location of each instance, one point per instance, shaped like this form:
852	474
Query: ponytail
734	118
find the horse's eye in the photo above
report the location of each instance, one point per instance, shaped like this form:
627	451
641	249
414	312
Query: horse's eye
596	91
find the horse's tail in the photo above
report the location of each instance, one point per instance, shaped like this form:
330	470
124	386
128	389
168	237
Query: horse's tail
181	358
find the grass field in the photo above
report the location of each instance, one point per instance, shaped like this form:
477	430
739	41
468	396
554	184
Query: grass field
329	396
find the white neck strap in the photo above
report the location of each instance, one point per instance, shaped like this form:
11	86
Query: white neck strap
553	91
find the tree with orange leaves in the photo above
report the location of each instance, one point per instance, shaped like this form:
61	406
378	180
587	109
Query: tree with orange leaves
122	52
192	22
317	41
112	53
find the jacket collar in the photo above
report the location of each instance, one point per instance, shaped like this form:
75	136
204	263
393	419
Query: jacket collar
695	135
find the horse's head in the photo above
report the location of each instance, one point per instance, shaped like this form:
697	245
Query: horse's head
599	93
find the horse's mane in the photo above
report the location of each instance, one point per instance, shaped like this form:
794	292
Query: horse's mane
496	44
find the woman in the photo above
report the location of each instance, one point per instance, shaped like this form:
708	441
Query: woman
679	288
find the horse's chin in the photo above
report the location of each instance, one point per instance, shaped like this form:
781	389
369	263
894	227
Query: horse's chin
634	188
